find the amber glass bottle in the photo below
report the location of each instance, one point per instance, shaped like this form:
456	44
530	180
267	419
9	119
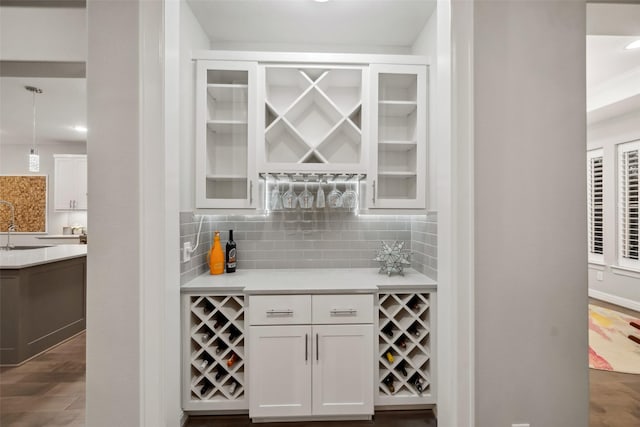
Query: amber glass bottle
216	256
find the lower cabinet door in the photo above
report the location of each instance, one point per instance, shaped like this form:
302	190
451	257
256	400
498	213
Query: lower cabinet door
279	371
343	370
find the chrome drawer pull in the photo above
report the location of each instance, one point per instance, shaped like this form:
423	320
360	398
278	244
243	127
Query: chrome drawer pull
344	312
280	312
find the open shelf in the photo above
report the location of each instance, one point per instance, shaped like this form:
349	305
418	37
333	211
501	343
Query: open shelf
403	311
313	116
214	380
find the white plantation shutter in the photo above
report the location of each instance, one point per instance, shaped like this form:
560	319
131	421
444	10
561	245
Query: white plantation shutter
595	204
628	181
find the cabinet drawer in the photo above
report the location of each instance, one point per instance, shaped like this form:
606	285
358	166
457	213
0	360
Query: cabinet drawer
329	309
279	309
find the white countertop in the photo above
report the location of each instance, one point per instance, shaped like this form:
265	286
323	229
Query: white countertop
29	257
59	236
309	280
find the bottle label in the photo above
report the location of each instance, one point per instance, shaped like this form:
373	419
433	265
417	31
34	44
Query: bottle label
232	258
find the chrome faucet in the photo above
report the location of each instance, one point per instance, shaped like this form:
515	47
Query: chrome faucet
12	225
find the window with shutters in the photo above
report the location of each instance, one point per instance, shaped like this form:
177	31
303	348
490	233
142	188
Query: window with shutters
594	205
628	237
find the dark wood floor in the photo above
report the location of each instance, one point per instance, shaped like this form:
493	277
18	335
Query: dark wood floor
381	419
46	391
49	391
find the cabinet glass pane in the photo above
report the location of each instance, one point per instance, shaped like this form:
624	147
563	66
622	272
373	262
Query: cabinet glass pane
397	137
227	129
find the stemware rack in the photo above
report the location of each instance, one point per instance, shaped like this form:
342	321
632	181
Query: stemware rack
301	180
404	335
217	352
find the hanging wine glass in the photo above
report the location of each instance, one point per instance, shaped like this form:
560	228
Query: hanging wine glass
334	199
276	198
305	199
320	196
289	199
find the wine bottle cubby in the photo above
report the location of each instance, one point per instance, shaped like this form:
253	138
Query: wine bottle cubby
405	349
216	352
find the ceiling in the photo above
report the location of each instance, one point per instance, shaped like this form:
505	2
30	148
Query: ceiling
335	22
60	107
613	72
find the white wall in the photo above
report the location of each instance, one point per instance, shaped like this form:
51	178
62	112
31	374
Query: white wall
530	216
14	161
426	44
622	289
192	37
43	34
114	295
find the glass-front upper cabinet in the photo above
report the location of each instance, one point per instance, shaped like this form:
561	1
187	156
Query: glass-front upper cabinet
398	169
313	118
225	135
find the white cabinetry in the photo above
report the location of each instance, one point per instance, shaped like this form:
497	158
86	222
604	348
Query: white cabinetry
302	366
406	326
213	352
397	173
70	191
314	118
225	134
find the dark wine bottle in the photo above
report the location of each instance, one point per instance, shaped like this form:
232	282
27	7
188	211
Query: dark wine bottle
414	304
231	254
219	373
205	388
208	307
402	342
413	329
220	320
388	381
220	346
233	333
401	367
417	382
388	329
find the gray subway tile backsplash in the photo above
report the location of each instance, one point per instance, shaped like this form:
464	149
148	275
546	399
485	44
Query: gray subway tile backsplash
310	240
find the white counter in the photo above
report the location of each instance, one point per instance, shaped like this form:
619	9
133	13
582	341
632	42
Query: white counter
309	280
27	258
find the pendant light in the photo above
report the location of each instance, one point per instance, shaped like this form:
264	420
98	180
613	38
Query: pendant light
34	157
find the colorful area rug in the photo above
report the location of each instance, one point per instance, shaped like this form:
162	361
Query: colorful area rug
610	349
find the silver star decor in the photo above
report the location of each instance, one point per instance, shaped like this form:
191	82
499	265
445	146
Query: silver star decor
393	258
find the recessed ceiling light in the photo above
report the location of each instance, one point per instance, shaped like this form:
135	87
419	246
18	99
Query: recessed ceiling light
321	1
633	45
79	128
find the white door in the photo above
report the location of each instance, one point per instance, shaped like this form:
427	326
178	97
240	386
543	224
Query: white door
279	371
343	370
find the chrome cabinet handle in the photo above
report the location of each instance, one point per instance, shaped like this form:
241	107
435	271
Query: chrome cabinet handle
343	312
306	347
272	312
317	349
69	204
250	192
374	191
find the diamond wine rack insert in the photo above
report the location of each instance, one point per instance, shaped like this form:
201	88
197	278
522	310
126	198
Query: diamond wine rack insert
217	348
404	349
313	115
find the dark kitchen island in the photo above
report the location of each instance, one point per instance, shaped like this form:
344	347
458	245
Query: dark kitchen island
42	299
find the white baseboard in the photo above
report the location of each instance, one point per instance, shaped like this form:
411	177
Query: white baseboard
613	299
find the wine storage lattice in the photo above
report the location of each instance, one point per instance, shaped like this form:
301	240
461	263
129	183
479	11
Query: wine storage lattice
404	349
217	349
313	116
